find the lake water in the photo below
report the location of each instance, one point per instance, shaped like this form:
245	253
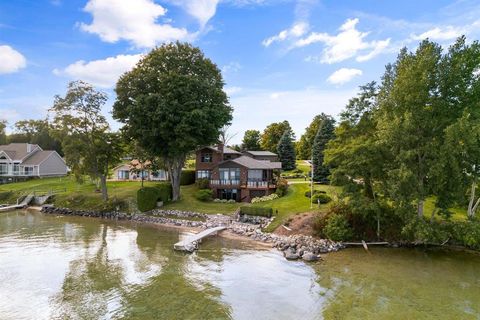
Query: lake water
54	267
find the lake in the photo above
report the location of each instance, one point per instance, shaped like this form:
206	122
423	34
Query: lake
56	267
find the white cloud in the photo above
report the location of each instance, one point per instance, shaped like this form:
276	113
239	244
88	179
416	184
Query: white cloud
348	43
131	20
343	75
11	60
232	67
202	10
440	33
101	73
297	30
230	91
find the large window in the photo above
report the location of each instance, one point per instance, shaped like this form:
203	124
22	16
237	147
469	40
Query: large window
228	194
229	173
203	174
206	157
28	171
255	175
3	168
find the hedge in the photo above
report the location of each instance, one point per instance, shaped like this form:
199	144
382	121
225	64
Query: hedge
147	198
165	191
187	177
257	211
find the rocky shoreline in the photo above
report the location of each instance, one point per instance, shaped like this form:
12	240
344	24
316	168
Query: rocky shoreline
293	247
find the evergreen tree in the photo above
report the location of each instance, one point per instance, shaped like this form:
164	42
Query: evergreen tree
286	151
324	134
304	146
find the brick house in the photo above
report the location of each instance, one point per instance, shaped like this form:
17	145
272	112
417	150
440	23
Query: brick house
236	175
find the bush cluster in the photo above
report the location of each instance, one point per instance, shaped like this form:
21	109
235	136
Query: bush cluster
270	197
282	187
308	193
321	198
164	191
187	177
147	198
256	211
337	228
204	194
202	183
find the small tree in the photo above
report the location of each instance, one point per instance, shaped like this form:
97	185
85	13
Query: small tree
325	133
286	151
90	148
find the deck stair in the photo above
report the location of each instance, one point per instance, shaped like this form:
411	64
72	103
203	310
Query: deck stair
20	204
190	243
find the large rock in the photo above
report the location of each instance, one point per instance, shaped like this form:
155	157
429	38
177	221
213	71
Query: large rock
309	256
290	255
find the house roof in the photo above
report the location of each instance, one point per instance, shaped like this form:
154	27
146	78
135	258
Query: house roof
261	153
251	163
37	158
18	151
226	150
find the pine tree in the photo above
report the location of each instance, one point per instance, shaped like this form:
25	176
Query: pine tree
324	134
286	151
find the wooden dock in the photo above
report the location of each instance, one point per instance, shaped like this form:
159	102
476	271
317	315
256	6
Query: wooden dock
190	243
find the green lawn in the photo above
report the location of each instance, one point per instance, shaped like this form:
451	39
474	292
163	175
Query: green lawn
295	202
459	214
188	202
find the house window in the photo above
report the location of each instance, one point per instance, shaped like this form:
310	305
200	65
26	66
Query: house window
3	158
206	157
160	174
3	168
255	175
28	171
123	174
228	194
203	174
229	173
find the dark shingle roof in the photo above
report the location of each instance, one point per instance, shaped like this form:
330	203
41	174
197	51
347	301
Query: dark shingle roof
261	153
251	163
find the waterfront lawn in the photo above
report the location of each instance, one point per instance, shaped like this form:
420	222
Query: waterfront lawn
188	202
295	202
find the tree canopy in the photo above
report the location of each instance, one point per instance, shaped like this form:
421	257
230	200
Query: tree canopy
172	102
286	151
251	140
273	133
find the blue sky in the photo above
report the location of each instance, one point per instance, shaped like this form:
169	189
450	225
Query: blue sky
281	59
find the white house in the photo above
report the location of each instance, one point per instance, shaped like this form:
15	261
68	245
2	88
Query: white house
19	161
132	172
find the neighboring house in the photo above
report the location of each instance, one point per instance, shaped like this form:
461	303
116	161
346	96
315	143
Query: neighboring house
132	172
234	175
19	161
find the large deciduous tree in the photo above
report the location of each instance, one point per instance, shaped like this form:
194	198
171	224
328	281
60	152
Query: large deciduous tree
90	148
172	102
36	132
273	133
286	151
251	140
325	133
3	134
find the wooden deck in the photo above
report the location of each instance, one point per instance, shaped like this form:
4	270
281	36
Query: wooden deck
190	243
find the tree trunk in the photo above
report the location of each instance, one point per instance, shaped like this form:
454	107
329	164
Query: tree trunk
420	208
470	210
103	185
175	171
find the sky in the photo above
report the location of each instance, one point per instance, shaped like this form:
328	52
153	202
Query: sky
280	59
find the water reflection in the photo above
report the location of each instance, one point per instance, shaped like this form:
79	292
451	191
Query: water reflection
78	268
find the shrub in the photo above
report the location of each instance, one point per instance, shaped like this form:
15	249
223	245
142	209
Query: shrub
270	197
187	177
164	191
257	211
204	194
202	183
282	187
337	228
308	194
5	195
321	198
147	198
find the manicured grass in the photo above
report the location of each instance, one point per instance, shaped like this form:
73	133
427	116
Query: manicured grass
188	202
72	194
295	202
459	213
